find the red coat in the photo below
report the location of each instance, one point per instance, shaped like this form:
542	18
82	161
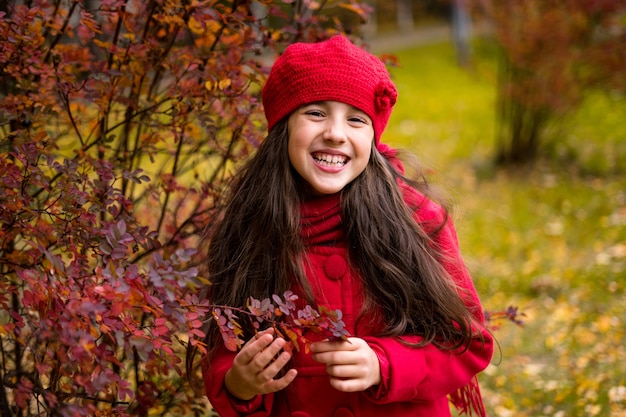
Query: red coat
416	381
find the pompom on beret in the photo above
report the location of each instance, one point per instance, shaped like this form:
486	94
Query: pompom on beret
332	70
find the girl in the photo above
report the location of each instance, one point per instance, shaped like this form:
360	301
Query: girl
323	209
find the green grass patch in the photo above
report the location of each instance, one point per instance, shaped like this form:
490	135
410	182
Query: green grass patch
549	237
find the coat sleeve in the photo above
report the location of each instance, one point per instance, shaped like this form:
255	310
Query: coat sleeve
214	370
428	373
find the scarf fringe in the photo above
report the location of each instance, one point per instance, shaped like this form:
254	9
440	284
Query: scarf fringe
468	400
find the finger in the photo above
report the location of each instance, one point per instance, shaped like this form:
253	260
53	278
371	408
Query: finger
277	364
253	347
324	357
327	346
280	383
348	385
269	330
351	371
262	336
270	352
266	379
285	380
335	357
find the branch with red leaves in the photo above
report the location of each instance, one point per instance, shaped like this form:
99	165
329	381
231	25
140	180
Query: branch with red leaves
511	314
300	326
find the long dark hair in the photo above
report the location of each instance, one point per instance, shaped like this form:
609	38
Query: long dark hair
256	249
399	260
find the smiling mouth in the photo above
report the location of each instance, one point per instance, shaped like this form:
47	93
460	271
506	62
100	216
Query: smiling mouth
330	160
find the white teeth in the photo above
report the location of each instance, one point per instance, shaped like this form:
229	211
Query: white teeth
330	160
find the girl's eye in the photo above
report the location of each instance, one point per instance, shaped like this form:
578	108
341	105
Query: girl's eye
356	119
316	113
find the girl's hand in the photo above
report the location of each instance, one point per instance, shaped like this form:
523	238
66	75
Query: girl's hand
352	366
256	365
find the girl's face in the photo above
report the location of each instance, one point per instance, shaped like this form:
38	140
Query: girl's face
329	144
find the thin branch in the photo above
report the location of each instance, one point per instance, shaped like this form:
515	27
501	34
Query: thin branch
66	102
59	35
173	173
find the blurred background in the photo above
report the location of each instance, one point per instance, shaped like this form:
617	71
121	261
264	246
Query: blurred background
519	109
121	121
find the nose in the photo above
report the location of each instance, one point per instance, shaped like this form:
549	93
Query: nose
335	131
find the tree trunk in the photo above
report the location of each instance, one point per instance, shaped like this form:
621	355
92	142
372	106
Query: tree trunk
520	124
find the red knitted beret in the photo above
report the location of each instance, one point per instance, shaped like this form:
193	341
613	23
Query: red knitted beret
335	70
